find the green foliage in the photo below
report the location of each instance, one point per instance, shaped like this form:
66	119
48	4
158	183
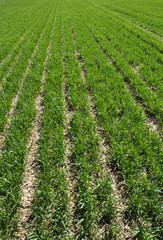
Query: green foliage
120	48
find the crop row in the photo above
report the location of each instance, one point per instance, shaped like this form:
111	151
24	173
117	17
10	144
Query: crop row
147	22
16	77
134	151
140	55
93	205
146	37
14	150
49	209
9	62
146	96
12	32
90	141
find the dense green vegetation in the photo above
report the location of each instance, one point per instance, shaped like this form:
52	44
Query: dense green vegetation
98	159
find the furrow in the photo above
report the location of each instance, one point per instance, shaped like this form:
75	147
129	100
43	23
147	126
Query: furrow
92	181
85	143
28	188
68	165
132	147
118	191
105	169
16	97
50	201
134	69
28	185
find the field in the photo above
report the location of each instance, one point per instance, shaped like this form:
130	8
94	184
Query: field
81	117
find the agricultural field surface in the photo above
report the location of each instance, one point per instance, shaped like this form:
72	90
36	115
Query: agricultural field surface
81	119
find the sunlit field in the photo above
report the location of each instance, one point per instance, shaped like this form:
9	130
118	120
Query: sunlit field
81	116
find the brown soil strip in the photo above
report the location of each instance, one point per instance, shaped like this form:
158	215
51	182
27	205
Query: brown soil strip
135	69
28	188
121	205
91	182
118	191
28	185
153	125
69	169
16	97
68	164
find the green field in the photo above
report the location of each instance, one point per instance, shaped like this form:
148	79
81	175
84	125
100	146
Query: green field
81	119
